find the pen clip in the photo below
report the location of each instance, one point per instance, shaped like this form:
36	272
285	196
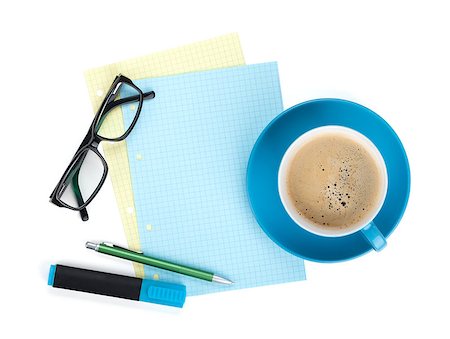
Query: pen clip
123	248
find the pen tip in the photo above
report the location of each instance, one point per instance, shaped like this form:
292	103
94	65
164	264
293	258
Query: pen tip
221	280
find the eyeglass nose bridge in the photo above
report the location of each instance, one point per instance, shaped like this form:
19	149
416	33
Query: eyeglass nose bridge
95	142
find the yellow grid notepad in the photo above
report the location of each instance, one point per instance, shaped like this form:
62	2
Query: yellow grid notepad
221	52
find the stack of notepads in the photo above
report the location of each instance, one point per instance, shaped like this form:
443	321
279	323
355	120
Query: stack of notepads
180	176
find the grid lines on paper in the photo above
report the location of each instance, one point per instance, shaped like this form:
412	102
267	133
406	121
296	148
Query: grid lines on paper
224	51
194	141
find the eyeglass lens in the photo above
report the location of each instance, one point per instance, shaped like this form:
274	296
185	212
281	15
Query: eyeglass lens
111	124
83	179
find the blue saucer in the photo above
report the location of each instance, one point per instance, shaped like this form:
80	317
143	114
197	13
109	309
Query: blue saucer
265	160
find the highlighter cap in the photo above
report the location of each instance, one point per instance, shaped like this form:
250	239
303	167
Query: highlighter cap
163	293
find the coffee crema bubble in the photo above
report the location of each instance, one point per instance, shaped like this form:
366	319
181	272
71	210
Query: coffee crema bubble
334	181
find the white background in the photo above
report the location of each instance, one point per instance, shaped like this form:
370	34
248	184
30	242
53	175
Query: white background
391	56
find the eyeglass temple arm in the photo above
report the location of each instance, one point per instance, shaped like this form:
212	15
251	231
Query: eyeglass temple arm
109	107
112	104
76	190
79	197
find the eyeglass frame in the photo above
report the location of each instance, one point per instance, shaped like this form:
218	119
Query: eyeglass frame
92	140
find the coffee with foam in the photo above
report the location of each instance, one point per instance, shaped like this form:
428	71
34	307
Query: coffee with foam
335	181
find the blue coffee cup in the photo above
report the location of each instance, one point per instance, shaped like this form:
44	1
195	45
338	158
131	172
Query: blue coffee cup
263	169
365	222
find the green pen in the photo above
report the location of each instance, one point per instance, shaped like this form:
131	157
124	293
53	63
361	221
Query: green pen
124	253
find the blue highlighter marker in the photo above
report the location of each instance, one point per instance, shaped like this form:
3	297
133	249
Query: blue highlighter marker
114	285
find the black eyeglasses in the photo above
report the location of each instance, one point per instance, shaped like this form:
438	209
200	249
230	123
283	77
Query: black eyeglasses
87	171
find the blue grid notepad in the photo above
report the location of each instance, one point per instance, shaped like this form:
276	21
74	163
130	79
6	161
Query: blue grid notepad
188	156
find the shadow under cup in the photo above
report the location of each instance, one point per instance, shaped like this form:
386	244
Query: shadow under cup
365	223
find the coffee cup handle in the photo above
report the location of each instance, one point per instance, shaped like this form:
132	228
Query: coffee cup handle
374	236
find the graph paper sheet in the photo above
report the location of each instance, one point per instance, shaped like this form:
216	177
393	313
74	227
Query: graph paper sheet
224	51
188	156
